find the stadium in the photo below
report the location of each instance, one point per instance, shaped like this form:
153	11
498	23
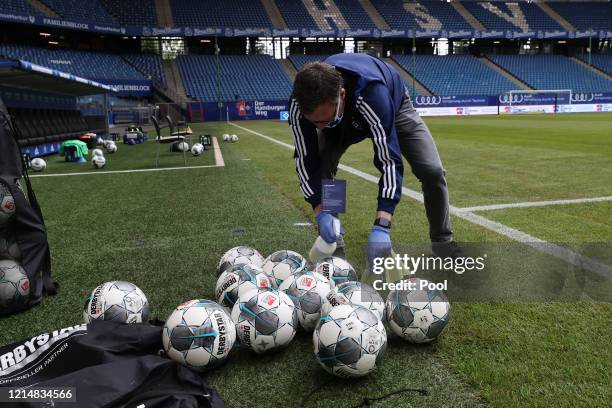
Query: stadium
160	136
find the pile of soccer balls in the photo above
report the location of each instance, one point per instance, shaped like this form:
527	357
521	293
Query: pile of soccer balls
14	283
230	138
262	302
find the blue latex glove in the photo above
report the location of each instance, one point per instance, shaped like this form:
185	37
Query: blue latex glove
379	243
327	231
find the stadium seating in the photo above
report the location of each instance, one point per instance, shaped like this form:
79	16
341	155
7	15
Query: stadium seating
432	15
18	7
86	64
455	75
150	65
132	12
553	72
315	14
585	15
212	13
299	60
248	77
81	10
515	16
600	61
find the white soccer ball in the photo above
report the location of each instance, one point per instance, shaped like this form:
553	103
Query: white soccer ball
234	138
307	291
183	146
98	162
239	255
38	164
333	299
282	264
9	248
14	286
363	294
197	149
350	341
418	316
199	334
238	280
7	206
265	319
97	152
116	301
111	147
337	270
226	137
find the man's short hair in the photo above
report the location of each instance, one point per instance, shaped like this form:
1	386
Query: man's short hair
315	84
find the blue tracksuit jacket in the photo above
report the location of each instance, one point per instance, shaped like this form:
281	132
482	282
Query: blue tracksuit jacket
377	98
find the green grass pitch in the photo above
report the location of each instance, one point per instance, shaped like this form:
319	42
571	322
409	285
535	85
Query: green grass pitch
166	230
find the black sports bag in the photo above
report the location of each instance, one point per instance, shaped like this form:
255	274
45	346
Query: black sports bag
103	365
23	237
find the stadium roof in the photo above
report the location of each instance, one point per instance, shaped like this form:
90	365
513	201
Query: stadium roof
25	75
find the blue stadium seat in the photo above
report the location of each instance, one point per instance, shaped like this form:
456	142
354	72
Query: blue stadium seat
586	15
432	15
350	14
81	10
18	7
86	64
524	16
553	72
132	12
150	65
295	14
299	60
213	13
247	76
455	74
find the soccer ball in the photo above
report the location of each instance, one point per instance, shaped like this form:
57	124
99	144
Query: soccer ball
116	301
38	164
111	147
7	206
238	280
98	162
97	152
360	293
418	316
14	286
9	248
199	334
282	264
234	138
226	137
350	341
337	270
183	146
333	299
307	291
265	319
197	149
239	255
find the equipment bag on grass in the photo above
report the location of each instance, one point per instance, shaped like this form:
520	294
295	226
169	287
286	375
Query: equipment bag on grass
104	365
22	229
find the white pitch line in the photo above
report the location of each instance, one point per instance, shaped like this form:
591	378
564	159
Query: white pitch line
218	156
535	204
557	251
123	171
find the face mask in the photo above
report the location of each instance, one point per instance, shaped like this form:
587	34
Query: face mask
337	118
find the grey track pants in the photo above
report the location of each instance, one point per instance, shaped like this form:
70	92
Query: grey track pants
419	149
